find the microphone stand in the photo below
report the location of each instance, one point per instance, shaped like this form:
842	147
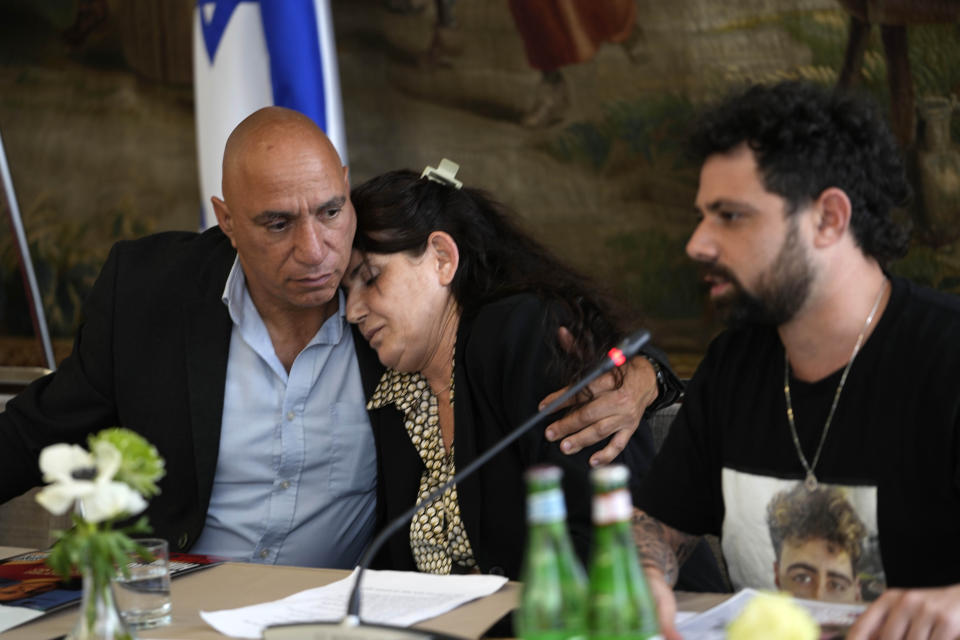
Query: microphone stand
616	357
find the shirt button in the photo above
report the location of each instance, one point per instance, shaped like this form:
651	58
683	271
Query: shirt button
285	484
264	553
291	415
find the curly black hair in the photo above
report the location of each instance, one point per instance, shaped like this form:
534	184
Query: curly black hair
806	139
397	212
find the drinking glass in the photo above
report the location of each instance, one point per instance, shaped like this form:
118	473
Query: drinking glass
143	596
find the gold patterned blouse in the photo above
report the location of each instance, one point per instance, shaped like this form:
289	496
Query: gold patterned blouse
437	537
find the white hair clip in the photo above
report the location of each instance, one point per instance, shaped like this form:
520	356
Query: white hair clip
446	173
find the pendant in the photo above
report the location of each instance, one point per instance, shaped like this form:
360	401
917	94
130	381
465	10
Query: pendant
810	482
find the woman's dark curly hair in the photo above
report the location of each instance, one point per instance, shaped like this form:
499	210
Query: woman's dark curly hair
397	212
807	139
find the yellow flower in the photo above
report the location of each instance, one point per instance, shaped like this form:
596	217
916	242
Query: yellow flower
773	615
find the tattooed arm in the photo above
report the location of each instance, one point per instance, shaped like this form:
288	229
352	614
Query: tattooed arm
662	550
661	547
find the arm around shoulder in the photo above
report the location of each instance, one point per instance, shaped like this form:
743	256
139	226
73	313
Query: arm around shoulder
616	406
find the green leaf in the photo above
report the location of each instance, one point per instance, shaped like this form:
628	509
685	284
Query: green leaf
141	465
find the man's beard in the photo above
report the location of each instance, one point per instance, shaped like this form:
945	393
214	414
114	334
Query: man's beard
780	292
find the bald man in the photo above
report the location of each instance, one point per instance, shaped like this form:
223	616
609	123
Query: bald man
230	352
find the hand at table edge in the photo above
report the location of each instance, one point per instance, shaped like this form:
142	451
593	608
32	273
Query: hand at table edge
918	613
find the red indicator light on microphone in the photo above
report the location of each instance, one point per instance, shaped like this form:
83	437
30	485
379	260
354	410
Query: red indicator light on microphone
617	356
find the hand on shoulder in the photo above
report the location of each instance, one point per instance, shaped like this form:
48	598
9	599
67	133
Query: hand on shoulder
613	410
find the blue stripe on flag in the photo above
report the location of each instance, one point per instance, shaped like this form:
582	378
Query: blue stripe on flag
296	71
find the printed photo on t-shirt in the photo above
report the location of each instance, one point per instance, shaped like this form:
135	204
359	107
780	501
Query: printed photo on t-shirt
821	543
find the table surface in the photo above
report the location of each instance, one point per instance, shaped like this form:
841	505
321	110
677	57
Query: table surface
234	584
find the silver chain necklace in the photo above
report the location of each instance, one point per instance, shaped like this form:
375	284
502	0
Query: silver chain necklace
810	482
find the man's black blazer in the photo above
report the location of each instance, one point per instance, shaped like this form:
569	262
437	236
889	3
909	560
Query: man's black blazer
151	355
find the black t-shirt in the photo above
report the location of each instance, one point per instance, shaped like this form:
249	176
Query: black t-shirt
892	448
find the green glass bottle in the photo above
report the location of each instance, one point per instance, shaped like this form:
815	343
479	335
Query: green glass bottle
621	606
553	605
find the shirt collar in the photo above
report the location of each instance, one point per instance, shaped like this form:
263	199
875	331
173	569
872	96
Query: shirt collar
405	390
236	297
402	389
234	292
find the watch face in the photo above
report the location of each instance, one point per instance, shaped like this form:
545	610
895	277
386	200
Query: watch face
656	368
666	394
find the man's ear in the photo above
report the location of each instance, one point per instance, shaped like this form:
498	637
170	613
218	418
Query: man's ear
832	210
346	176
224	219
776	575
446	253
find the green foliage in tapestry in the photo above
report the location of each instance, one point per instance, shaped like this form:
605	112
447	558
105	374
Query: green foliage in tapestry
938	268
652	129
67	255
655	273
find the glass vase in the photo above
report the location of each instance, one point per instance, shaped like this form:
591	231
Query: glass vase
99	618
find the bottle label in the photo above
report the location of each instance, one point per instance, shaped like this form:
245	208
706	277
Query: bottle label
615	506
546	506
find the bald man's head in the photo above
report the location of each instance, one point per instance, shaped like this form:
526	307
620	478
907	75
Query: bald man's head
286	209
265	132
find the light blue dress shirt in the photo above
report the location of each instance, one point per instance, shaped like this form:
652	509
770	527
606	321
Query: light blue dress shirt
296	476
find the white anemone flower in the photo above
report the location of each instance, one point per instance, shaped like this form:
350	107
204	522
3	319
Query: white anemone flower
111	499
78	477
70	470
58	462
58	497
108	459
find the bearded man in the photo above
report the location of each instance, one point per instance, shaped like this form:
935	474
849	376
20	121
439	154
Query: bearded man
835	373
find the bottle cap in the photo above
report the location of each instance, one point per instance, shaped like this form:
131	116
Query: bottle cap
544	473
614	474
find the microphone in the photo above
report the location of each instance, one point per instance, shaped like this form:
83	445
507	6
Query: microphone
351	627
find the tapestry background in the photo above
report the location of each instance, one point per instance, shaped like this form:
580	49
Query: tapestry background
96	112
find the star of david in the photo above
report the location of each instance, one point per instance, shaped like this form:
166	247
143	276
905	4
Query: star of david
214	17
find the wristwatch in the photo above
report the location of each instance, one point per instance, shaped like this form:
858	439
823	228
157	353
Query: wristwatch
658	371
667	393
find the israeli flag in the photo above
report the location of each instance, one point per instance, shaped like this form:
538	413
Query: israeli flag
249	54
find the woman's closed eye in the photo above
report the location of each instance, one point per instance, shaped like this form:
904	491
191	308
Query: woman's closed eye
362	277
367	273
